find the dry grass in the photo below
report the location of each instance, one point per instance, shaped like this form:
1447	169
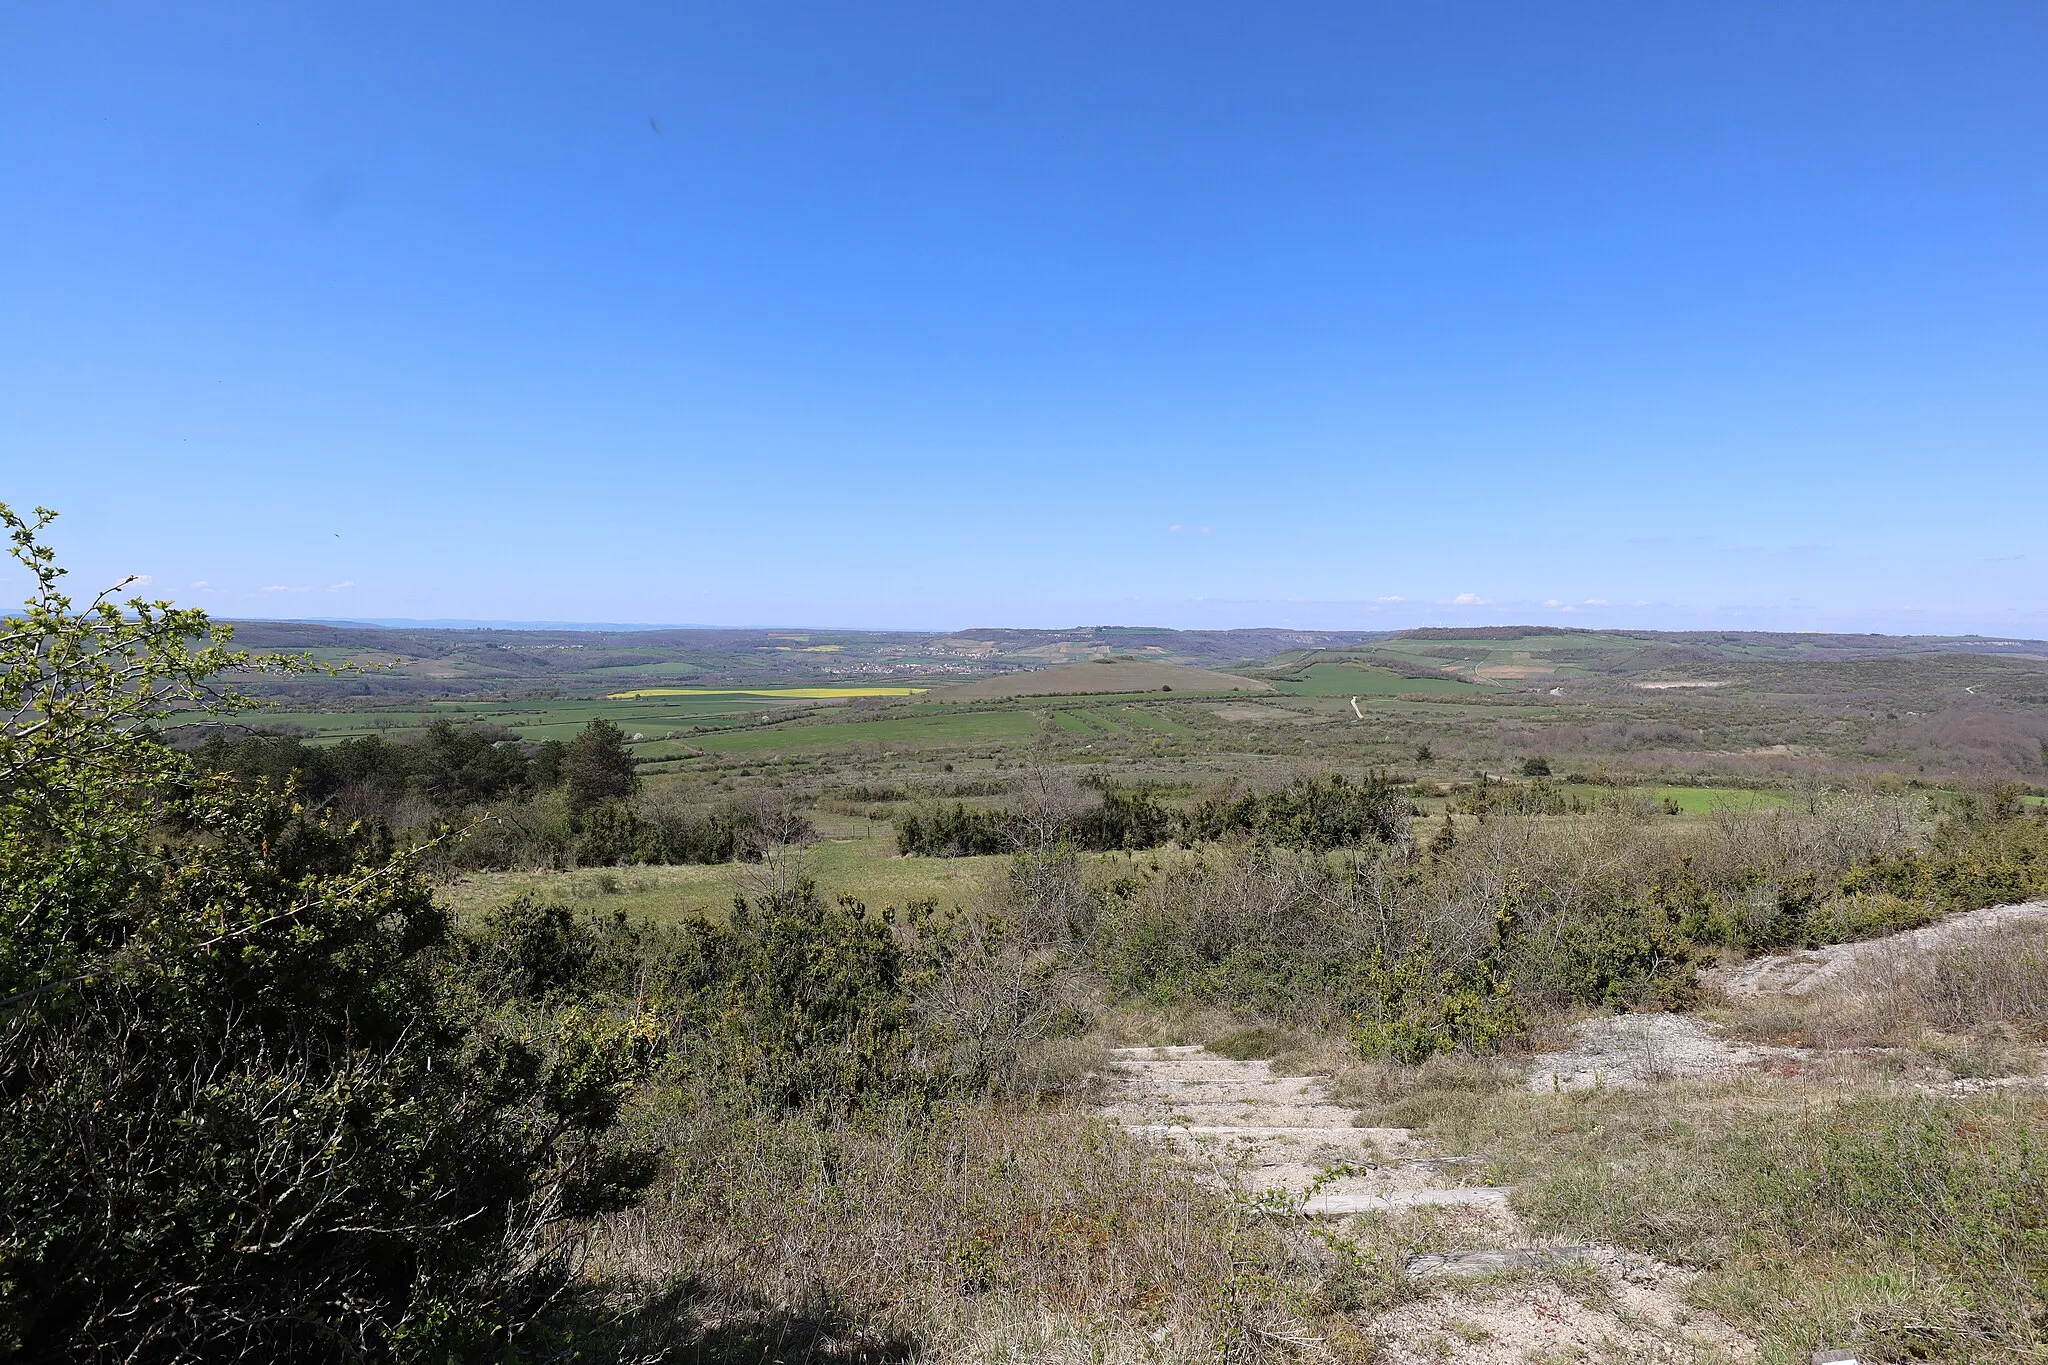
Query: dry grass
1961	1011
1997	981
977	1233
1845	1212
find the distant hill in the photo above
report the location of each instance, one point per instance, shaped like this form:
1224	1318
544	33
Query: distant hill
1110	676
421	661
1782	644
388	663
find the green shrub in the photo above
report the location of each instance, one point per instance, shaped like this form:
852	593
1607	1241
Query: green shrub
1419	1007
958	832
1310	812
615	833
1622	958
1973	863
243	1119
1124	820
792	1001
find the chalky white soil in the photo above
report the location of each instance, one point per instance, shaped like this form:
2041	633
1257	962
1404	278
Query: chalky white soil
1636	1049
1802	973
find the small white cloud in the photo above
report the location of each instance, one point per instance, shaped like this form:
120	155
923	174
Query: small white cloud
345	583
1390	599
1174	529
1469	599
141	580
202	584
1596	601
1552	602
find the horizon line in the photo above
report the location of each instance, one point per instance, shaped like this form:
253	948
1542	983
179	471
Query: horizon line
483	623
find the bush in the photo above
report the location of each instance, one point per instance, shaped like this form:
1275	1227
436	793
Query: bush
451	767
549	831
1973	861
793	1001
1124	820
296	1147
1316	813
1419	1007
958	832
1311	812
244	1119
1623	958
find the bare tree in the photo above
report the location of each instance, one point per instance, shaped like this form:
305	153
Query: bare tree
777	855
1046	803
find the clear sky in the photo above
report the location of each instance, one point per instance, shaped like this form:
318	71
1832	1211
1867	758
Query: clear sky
890	314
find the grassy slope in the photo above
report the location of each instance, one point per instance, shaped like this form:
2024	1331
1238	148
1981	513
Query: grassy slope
1363	680
1100	678
855	857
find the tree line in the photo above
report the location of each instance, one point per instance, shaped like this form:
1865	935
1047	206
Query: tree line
1312	812
554	803
452	767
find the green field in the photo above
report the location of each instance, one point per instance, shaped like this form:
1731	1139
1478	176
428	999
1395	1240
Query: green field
912	731
854	857
1706	800
534	720
1340	679
783	693
1693	800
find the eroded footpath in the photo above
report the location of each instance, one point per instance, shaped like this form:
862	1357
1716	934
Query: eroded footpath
1492	1295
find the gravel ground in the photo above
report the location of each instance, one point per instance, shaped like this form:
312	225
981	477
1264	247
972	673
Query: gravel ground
1635	1049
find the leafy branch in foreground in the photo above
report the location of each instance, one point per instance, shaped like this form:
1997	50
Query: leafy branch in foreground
75	683
246	1109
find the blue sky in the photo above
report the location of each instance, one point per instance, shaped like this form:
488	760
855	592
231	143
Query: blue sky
1344	315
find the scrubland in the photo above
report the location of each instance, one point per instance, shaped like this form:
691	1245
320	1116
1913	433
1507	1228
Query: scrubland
958	1201
420	1051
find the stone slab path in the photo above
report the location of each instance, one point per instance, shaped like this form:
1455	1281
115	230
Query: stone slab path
1279	1136
1280	1139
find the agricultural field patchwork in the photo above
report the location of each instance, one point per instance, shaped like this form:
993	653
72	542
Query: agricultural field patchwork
771	693
1619	706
